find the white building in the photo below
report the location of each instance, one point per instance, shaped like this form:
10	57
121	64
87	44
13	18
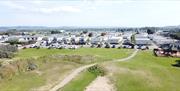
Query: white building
114	40
143	41
96	40
162	40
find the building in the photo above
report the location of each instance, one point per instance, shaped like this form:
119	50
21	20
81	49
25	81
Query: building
114	40
142	39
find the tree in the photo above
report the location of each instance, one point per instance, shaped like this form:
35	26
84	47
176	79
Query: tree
150	31
90	34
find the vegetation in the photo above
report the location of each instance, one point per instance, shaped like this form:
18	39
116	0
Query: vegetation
34	68
97	70
145	72
133	38
103	53
175	35
80	82
7	51
30	73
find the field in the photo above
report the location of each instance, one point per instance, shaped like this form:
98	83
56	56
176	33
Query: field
145	72
52	70
104	53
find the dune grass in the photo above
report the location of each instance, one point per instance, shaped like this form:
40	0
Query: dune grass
22	82
145	72
47	74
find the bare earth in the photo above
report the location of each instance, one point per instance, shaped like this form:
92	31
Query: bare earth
100	84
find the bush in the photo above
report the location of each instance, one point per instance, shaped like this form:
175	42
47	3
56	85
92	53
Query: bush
9	70
9	48
6	51
5	54
31	66
97	70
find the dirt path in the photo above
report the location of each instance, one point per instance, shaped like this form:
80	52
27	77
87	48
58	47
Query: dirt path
80	69
103	83
100	84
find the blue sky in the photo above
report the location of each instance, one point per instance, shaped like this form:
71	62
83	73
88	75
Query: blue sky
123	13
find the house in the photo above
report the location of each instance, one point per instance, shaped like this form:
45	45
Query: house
172	50
160	40
96	40
142	41
127	36
114	40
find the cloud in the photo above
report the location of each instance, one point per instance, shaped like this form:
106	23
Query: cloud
13	5
41	7
57	9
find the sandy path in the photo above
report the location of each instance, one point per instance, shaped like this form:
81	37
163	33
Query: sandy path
80	69
100	84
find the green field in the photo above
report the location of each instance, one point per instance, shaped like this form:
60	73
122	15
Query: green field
52	70
99	52
145	72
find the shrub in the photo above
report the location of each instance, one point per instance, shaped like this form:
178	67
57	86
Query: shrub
97	70
6	54
8	48
31	65
9	70
6	51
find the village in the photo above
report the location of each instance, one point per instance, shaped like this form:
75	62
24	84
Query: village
96	39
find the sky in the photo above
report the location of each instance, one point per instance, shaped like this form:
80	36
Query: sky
121	13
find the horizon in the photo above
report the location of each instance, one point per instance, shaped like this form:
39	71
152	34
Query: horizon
90	13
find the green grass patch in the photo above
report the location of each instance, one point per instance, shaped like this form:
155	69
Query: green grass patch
80	82
145	72
98	52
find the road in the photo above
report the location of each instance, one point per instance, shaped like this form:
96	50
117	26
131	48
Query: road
80	69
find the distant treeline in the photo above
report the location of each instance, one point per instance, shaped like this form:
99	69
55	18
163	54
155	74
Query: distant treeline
55	29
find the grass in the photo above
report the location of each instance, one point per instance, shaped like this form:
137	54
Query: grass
54	70
19	83
145	72
99	52
80	82
47	74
